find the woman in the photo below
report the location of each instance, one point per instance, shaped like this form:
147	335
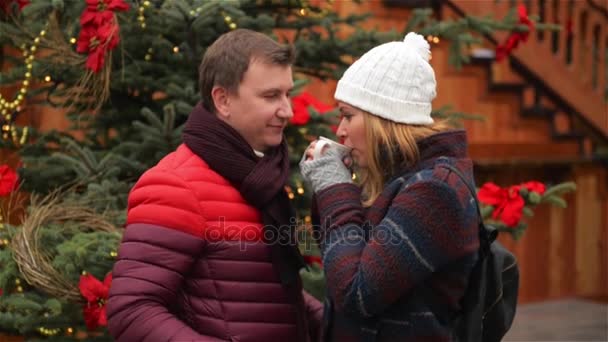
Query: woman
397	250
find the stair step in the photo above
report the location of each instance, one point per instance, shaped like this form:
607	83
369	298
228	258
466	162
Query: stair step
538	111
567	136
525	150
504	86
561	125
509	83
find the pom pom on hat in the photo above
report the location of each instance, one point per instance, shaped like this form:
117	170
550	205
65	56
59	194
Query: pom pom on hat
394	81
419	44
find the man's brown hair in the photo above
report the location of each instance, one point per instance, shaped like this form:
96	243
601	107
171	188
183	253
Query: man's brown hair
227	59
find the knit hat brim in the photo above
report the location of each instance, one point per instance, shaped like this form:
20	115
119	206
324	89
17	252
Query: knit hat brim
388	108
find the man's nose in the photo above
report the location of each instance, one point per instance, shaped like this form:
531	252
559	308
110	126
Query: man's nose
285	110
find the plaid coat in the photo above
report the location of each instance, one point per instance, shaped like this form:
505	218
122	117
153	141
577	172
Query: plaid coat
396	271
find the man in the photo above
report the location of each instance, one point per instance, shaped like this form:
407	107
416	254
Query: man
208	253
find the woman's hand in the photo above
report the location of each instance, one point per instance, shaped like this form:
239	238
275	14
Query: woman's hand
328	169
309	154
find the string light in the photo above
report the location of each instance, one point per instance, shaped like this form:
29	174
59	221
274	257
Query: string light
231	24
175	49
19	140
289	192
307	11
69	331
14	134
9	107
48	332
24	133
72	40
196	12
300	190
140	17
113	254
433	39
148	55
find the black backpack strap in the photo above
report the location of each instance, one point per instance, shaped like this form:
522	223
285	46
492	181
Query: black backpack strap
369	331
487	235
369	328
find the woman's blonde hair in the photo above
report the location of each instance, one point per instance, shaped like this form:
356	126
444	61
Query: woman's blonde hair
384	140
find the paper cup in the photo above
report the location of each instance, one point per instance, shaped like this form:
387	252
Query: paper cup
324	142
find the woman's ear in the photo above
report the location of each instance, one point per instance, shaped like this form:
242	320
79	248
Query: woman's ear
221	101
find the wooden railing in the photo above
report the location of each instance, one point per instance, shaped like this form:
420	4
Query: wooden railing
600	5
571	62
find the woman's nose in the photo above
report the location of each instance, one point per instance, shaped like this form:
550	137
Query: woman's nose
341	131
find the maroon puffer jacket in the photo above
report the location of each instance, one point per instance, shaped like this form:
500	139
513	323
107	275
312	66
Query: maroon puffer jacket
192	266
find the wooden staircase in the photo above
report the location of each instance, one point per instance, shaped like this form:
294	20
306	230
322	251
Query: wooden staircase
561	76
534	104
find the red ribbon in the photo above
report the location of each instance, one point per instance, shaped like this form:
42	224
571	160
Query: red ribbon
504	50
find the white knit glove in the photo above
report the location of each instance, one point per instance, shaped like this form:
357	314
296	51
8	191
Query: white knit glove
325	171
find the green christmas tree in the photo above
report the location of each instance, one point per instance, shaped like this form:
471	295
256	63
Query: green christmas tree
125	72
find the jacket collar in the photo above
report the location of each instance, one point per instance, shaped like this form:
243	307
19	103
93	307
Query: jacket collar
448	144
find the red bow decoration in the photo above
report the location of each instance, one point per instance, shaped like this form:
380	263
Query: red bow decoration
96	294
8	180
569	27
507	202
532	186
301	116
99	12
514	38
5	5
99	32
22	3
313	259
96	41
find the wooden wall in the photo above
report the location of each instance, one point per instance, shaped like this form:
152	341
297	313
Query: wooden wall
564	252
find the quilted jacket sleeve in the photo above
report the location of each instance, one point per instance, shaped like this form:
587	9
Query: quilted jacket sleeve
159	246
314	312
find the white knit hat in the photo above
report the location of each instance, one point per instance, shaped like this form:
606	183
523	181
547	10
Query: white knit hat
394	81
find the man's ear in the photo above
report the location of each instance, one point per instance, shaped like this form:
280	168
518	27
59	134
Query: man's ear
221	101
